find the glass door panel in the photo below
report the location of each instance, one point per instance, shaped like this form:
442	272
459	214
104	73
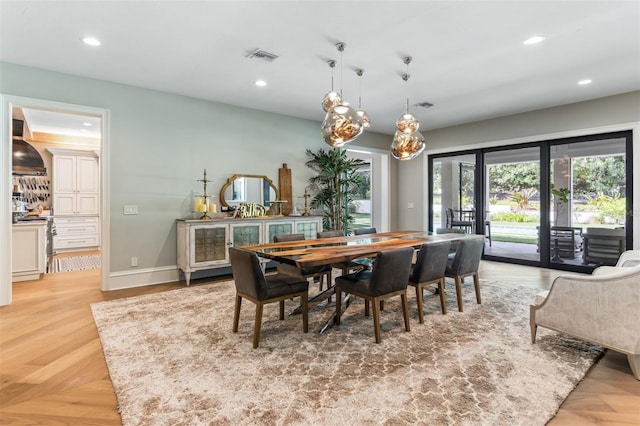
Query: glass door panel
588	202
512	203
454	193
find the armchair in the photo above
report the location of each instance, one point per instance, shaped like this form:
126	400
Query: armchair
601	308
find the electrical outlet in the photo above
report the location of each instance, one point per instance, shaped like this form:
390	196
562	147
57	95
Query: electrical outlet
134	261
132	209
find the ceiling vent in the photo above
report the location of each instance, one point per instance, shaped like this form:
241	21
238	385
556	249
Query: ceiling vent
262	55
424	104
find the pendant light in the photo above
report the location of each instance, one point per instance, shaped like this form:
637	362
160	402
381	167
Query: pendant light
407	143
366	122
342	124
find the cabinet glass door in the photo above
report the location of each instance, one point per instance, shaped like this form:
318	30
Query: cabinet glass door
210	244
245	234
278	228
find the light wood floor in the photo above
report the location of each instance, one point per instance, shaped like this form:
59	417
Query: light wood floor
52	369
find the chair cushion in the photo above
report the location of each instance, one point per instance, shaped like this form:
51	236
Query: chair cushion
281	285
359	282
285	268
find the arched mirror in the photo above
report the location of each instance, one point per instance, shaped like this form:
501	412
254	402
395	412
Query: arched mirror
256	189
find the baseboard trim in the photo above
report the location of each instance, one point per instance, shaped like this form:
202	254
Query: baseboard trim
142	277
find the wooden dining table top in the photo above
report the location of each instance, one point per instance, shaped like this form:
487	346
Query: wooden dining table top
326	251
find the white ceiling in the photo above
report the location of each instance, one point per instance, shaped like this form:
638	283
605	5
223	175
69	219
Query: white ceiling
468	56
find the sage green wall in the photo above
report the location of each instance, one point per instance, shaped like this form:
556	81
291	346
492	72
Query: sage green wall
607	111
159	145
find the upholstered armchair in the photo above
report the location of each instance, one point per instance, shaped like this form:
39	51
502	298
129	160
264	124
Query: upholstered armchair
601	308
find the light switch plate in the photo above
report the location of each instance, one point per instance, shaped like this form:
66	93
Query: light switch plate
132	209
410	205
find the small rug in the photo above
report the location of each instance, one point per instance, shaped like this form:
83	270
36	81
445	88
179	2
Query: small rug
76	263
173	360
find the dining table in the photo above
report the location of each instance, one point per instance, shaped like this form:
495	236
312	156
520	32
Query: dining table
336	250
333	250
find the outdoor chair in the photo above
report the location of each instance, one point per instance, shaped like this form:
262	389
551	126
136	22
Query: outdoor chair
252	284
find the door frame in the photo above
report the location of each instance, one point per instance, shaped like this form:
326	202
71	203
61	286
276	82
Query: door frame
7	102
632	135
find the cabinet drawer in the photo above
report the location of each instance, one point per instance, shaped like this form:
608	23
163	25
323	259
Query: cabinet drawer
62	221
80	229
67	242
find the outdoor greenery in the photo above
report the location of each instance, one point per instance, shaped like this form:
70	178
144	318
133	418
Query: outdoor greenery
338	181
514	177
512	216
593	176
611	209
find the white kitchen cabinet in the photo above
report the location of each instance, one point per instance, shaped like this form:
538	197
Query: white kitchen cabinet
204	244
28	250
76	232
76	182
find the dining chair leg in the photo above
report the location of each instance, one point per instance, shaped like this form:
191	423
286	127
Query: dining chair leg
338	305
281	310
459	292
443	304
476	282
236	314
419	295
258	325
376	318
366	307
405	310
304	301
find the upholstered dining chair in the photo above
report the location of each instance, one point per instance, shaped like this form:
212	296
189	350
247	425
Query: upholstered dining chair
364	231
252	284
320	272
388	278
429	268
465	263
345	267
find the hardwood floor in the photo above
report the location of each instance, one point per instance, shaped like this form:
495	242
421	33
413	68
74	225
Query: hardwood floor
52	369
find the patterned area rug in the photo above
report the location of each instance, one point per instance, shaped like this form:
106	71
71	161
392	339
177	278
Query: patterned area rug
76	263
173	360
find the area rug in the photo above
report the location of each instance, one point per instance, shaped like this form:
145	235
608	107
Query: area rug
173	360
74	263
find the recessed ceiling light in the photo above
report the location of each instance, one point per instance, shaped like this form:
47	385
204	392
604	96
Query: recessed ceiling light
260	83
584	82
84	130
87	124
533	40
91	41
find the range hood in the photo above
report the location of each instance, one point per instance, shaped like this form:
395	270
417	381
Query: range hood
26	159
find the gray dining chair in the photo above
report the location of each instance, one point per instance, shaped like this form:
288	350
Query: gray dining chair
364	231
319	272
388	278
345	267
466	263
430	266
252	284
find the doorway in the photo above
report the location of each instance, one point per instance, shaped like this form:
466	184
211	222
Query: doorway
45	140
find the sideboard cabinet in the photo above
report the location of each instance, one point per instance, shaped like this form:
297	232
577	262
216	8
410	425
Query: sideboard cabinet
204	244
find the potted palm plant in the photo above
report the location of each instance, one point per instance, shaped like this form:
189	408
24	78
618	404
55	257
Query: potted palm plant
337	181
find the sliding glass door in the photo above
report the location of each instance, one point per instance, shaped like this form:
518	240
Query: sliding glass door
564	204
513	203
